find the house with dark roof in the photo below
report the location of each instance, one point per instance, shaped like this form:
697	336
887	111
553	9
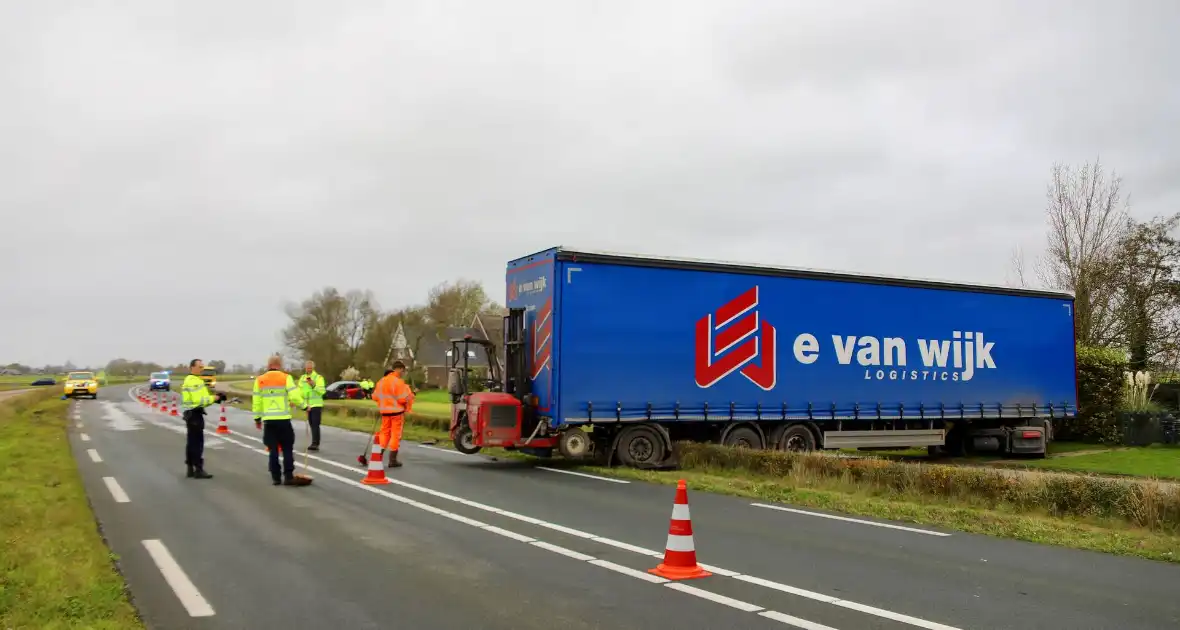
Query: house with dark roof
425	351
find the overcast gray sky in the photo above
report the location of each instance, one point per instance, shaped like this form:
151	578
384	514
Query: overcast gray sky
172	172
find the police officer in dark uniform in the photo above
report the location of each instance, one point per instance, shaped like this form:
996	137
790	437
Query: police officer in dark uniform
194	398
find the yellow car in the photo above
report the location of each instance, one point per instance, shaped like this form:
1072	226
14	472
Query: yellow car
80	384
209	375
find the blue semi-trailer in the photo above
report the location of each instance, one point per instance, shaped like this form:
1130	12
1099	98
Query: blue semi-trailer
619	356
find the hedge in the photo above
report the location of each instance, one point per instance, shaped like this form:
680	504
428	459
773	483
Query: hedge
1100	393
1143	503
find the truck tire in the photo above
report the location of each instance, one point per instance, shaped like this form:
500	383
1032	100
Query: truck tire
743	437
573	443
641	447
797	439
465	440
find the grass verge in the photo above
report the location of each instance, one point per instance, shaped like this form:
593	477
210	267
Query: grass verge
55	569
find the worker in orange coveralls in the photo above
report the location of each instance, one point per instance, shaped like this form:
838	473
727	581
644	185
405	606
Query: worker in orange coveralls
394	399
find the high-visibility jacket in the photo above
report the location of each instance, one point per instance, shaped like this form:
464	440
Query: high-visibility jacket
274	393
194	394
393	396
313	393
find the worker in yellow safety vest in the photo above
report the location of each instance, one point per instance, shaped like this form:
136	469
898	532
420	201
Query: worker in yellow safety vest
274	393
311	386
194	398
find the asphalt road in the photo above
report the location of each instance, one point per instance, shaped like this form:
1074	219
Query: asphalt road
460	541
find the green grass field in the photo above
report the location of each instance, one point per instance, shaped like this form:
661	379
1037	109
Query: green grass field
1157	461
431	402
55	569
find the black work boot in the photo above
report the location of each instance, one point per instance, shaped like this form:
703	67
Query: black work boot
393	463
276	480
313	447
190	471
288	480
201	474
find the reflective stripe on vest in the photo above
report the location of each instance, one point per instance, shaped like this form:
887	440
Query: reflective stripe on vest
274	393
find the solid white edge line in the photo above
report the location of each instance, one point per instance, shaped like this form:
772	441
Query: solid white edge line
713	597
441	450
509	534
618	568
846	519
94	456
84	437
790	590
185	590
576	555
929	625
581	474
888	614
793	621
651	553
116	490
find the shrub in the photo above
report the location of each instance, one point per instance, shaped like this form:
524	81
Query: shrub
1143	503
1101	378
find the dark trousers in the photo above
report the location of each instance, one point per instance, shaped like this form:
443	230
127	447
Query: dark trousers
194	444
280	434
313	421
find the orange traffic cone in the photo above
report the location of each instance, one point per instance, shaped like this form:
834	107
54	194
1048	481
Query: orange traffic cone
174	406
222	427
376	474
680	554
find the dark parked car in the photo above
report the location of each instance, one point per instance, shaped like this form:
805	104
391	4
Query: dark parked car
344	389
41	382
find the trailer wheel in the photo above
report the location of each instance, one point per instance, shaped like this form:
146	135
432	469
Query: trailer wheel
641	447
465	440
743	437
573	443
797	439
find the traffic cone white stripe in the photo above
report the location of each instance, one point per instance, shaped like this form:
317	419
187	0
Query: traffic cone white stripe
680	543
680	512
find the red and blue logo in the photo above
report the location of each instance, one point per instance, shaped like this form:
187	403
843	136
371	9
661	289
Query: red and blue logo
736	338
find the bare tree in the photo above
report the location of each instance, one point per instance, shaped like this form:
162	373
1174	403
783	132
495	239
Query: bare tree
1087	220
455	304
330	328
1017	275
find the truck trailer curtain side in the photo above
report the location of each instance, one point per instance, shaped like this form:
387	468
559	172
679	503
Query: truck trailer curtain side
625	339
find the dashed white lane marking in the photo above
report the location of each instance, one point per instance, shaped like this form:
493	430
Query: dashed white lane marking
94	456
84	437
78	425
846	519
871	610
185	590
579	474
116	490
